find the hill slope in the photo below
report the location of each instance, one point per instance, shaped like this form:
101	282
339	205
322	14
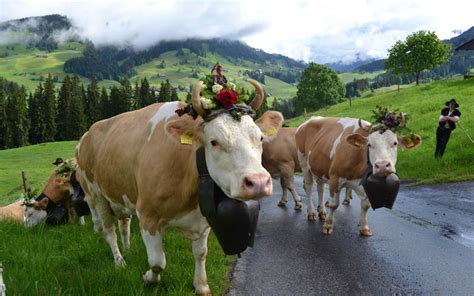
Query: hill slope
423	103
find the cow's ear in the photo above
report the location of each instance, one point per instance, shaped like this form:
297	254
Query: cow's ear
410	141
357	140
270	122
184	130
42	204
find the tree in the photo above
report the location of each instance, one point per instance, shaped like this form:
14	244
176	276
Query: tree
63	113
319	87
165	92
104	104
17	122
35	114
77	121
48	107
91	106
145	98
420	51
3	134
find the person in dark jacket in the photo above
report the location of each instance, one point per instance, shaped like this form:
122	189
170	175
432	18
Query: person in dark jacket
447	123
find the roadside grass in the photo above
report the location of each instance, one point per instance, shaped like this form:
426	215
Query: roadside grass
423	103
72	259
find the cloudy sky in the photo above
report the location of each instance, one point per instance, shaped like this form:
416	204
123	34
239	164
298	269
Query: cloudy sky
321	31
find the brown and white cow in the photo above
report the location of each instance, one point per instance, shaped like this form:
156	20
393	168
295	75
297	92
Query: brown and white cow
335	151
57	191
27	213
136	163
280	158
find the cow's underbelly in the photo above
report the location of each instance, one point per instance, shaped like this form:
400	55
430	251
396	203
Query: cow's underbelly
192	224
122	210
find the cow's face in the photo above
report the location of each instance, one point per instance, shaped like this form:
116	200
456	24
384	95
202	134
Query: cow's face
59	188
35	212
382	149
233	151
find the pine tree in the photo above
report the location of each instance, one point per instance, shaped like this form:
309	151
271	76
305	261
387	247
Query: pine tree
136	97
91	107
48	107
146	97
174	95
64	110
165	92
17	123
118	102
104	104
35	114
77	120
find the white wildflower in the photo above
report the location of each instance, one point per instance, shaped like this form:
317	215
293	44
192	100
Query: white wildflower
216	88
206	103
232	85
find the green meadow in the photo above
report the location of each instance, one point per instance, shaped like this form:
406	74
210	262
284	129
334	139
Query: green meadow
350	76
72	259
423	103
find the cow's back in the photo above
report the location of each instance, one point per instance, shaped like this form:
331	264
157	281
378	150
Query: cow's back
323	143
281	151
136	164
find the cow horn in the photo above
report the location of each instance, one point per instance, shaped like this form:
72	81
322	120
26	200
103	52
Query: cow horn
196	99
365	128
402	119
259	94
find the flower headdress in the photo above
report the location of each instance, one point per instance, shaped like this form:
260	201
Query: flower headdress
216	95
385	119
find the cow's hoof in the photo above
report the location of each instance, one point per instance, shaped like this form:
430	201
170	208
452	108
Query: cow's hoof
120	262
203	291
322	216
327	229
366	232
298	205
151	278
282	204
346	202
311	216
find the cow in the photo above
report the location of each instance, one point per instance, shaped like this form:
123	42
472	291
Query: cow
28	213
143	162
337	151
280	158
53	205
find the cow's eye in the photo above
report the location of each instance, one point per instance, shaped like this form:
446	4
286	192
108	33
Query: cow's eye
395	143
261	138
368	145
214	143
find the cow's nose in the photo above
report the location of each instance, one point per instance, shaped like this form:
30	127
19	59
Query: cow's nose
256	186
383	167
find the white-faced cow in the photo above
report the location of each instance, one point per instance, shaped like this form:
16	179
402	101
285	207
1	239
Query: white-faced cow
136	162
28	213
335	151
280	158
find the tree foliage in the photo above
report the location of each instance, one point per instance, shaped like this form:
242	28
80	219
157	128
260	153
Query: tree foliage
420	51
319	87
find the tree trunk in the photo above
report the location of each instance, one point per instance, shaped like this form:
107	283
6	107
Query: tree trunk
398	88
417	78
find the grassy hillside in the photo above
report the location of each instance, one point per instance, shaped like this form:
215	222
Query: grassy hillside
73	260
27	65
423	103
350	76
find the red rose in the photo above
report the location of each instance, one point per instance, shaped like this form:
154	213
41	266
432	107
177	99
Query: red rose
226	98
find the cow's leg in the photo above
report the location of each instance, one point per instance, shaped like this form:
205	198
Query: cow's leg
96	220
332	204
124	228
321	210
348	197
82	220
296	196
200	252
287	180
284	196
364	228
156	257
307	185
105	213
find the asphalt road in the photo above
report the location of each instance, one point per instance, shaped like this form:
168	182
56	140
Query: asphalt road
424	246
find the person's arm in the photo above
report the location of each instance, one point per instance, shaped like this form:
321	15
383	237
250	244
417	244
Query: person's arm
453	118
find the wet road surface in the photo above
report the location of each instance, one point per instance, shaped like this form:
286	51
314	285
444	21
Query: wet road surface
424	246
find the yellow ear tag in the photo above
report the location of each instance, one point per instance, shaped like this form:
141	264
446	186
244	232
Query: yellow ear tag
187	140
271	132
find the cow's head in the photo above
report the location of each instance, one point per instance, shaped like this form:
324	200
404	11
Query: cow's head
382	147
59	188
233	147
35	212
